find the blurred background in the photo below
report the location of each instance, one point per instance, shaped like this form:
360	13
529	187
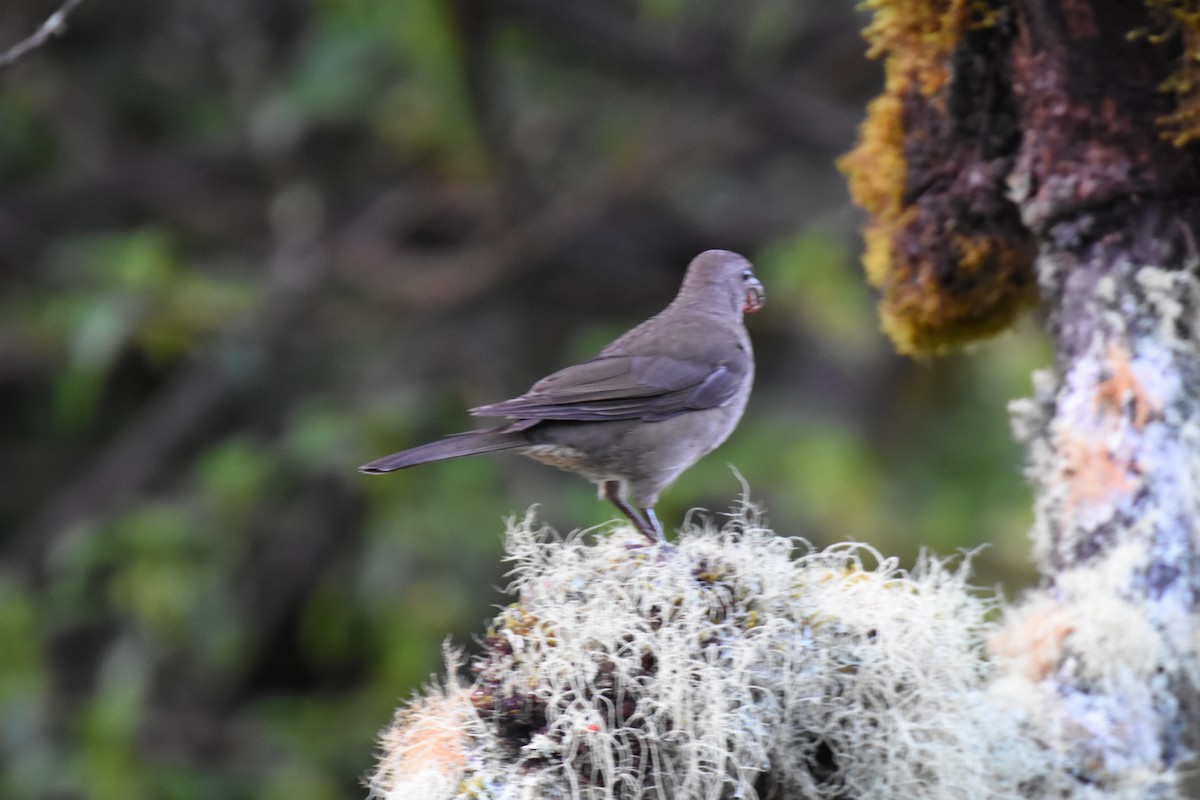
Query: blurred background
247	246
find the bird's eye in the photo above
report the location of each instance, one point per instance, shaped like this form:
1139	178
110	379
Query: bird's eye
747	274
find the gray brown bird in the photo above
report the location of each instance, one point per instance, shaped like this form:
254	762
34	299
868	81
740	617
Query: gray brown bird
646	408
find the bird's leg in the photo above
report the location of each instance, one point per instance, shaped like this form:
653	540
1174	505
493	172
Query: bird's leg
652	519
650	529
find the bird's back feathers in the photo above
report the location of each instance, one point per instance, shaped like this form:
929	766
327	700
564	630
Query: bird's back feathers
645	387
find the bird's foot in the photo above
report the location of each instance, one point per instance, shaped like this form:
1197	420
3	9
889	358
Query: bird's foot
651	527
645	520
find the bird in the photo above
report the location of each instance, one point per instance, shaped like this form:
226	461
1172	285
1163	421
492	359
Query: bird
646	408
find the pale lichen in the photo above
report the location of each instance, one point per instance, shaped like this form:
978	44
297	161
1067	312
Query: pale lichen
1103	661
733	661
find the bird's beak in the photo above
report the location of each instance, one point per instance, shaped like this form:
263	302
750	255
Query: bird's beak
756	297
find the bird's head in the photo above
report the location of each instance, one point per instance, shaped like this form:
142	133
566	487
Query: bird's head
717	275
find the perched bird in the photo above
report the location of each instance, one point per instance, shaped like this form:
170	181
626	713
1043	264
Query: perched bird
646	408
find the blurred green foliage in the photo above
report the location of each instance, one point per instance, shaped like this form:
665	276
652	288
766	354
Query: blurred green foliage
26	144
130	290
814	277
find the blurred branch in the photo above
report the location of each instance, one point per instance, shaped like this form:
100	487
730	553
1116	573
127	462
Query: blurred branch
411	277
55	25
802	117
123	469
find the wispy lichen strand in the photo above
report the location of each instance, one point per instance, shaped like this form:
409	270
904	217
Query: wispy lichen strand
731	662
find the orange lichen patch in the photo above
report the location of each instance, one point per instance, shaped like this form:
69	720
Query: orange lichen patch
1094	474
1122	385
1033	645
428	736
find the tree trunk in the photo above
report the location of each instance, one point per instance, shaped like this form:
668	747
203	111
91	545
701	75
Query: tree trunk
1114	430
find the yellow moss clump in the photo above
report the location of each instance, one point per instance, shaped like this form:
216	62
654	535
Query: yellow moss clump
993	282
916	38
917	35
1179	18
947	272
876	174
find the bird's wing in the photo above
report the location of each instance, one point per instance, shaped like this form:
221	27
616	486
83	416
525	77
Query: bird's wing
650	387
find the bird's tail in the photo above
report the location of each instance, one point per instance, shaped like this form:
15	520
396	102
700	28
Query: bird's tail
462	444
